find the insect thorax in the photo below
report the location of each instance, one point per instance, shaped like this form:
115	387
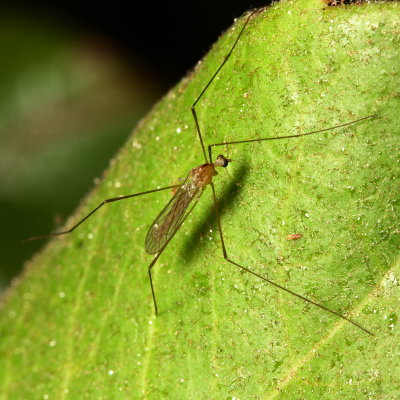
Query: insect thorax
202	175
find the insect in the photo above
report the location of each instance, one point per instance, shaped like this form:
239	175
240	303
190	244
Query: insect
294	236
188	193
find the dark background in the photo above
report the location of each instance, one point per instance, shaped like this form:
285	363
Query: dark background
168	38
75	78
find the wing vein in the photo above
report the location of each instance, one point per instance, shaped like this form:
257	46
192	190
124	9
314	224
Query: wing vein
170	218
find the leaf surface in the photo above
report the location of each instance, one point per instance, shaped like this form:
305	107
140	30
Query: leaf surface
79	323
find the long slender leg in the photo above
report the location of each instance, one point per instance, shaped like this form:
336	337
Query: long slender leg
226	257
94	210
159	254
151	279
213	77
286	137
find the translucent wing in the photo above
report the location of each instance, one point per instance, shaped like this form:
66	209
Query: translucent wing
170	218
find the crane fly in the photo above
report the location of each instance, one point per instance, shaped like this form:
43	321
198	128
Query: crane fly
172	216
187	194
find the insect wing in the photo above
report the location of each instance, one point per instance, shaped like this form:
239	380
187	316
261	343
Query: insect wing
170	218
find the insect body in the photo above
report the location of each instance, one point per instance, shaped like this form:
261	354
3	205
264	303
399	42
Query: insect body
170	219
172	216
294	236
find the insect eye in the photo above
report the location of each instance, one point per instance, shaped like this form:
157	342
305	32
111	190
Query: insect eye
222	161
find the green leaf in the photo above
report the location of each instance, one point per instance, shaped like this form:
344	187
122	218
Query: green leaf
80	323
